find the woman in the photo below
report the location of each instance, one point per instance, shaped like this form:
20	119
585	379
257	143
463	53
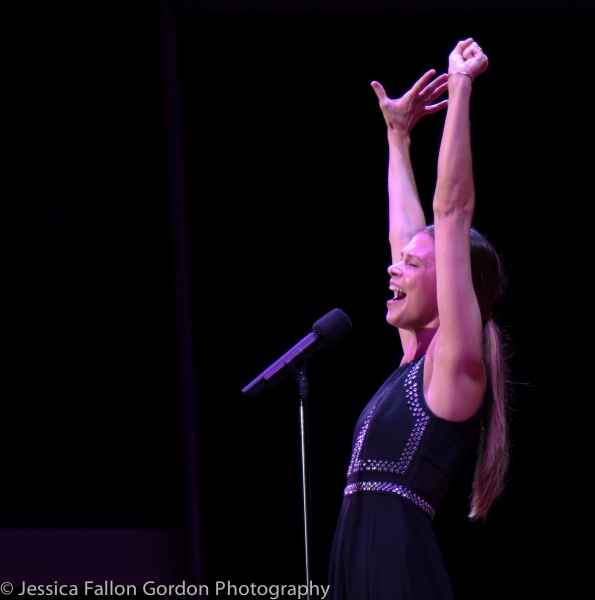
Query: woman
416	431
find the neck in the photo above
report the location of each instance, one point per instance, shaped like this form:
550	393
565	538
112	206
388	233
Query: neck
419	343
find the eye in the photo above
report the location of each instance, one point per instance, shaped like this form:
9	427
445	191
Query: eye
412	264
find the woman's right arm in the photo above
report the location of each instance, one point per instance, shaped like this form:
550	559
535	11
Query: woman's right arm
406	216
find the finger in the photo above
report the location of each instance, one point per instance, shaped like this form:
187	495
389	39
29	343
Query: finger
481	54
479	64
431	93
441	89
471	51
463	45
481	58
421	83
379	91
433	86
436	107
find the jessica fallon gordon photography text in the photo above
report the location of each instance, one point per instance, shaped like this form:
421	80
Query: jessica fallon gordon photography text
151	588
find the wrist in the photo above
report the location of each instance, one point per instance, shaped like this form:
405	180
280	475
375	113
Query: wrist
460	73
458	81
397	136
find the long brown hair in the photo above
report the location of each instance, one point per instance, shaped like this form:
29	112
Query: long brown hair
489	282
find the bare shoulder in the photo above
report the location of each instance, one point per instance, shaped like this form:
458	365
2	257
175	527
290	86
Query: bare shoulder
453	386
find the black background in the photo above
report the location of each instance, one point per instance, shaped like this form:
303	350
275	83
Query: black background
286	158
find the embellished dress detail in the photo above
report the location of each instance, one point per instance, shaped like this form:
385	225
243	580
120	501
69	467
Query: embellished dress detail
403	460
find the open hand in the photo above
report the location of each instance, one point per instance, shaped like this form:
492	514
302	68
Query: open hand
468	57
403	113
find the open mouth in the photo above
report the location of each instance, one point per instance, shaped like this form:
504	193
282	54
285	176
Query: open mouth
399	294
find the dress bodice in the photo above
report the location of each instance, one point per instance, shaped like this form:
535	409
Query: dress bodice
401	447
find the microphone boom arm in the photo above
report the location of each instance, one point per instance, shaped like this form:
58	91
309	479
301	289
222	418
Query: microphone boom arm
277	371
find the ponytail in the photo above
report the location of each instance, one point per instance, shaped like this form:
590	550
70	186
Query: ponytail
493	449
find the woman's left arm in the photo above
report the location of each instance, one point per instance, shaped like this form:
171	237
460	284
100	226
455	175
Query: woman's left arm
458	377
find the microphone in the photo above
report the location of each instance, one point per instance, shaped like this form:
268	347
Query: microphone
328	330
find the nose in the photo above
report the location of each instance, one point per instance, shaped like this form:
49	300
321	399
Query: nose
395	269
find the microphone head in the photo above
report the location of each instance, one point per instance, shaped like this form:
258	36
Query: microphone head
333	326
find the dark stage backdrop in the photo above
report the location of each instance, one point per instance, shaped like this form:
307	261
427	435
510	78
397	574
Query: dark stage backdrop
286	159
90	442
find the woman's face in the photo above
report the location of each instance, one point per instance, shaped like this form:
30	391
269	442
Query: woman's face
413	282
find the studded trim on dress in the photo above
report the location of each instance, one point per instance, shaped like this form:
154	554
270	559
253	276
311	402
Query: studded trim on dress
355	464
393	488
421	420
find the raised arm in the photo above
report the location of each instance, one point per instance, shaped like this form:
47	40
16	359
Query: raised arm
406	216
458	376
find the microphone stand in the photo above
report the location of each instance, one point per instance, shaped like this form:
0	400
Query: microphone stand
297	367
326	331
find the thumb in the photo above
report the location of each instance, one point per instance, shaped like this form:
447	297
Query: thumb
379	90
463	45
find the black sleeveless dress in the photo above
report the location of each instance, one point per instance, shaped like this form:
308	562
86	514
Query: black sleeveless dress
403	460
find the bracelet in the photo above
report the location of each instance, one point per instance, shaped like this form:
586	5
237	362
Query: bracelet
460	73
